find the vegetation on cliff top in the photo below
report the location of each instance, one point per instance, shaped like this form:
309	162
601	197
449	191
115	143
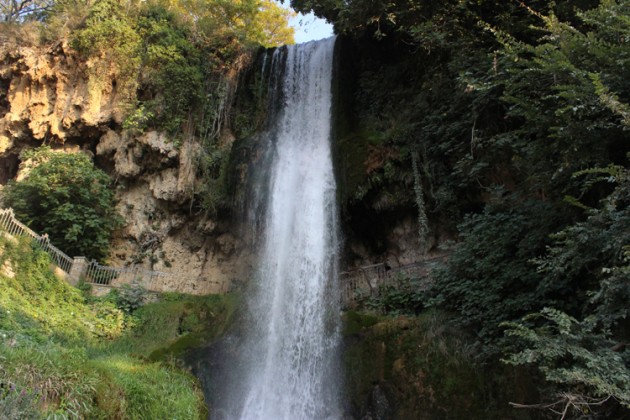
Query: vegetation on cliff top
169	58
166	65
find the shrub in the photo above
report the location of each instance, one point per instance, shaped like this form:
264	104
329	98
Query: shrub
108	35
131	297
171	82
489	277
405	296
65	196
575	356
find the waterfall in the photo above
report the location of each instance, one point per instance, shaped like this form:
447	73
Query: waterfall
290	368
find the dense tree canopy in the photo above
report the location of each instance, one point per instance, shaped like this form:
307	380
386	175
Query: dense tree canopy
65	196
516	117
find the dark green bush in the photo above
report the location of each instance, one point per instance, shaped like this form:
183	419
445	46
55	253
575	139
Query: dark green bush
130	297
404	296
171	82
490	277
69	199
108	36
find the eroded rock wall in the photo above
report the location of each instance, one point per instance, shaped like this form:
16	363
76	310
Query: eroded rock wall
48	95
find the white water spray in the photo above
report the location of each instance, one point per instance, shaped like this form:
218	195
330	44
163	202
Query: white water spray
291	371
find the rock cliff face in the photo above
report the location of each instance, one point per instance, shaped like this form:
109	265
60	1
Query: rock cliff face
48	96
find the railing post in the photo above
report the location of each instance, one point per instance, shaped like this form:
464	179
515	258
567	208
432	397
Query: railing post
78	269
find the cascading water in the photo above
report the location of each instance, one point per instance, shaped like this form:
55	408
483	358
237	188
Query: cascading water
290	367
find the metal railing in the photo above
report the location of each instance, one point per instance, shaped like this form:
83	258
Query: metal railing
14	227
368	281
93	272
356	284
112	276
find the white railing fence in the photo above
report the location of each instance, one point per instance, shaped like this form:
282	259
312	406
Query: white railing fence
14	227
113	276
356	285
78	268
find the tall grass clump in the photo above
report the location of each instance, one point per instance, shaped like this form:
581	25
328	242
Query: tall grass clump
63	355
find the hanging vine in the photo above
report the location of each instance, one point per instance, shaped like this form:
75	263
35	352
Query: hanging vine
423	222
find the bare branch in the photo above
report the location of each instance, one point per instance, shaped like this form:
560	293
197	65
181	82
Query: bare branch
567	401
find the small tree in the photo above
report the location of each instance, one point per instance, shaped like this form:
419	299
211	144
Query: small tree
65	196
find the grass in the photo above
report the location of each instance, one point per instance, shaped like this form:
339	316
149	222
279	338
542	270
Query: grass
65	356
166	328
145	390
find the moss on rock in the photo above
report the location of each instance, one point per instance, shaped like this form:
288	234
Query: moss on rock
420	368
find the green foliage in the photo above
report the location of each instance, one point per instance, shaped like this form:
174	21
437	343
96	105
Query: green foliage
213	162
164	59
37	303
489	277
60	375
425	368
404	296
395	301
563	118
138	120
65	196
130	297
171	82
189	47
108	37
65	358
174	324
71	383
575	355
18	404
493	277
107	27
85	288
149	390
494	96
593	258
271	25
504	110
228	25
423	222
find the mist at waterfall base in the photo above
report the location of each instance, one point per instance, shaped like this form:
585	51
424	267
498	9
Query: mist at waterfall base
286	361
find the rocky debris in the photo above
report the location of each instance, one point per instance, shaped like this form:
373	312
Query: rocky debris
7	269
